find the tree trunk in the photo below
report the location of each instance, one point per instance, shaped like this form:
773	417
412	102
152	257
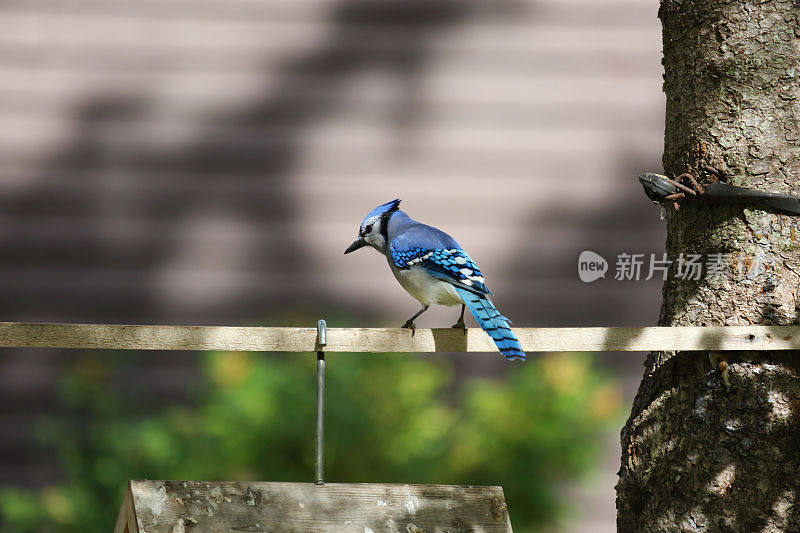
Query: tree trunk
713	440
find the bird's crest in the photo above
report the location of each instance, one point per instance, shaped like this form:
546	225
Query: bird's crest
388	207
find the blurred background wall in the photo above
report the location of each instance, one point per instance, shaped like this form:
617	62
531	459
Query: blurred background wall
208	161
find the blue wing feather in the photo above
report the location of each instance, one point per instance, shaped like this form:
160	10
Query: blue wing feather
453	266
416	235
439	254
419	245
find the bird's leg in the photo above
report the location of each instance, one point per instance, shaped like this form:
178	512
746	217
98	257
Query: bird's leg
460	324
410	322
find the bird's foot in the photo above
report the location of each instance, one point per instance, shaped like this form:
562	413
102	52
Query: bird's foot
410	325
460	325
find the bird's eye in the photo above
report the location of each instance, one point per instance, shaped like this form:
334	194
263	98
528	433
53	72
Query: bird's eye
367	228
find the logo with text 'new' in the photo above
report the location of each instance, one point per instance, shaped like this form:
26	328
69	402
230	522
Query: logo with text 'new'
591	266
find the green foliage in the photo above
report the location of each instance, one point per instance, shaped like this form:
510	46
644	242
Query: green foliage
389	419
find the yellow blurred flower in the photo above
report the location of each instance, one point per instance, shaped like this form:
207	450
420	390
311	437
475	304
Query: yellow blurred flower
567	373
57	505
229	369
605	400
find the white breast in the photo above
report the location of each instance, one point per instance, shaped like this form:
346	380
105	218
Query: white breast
426	288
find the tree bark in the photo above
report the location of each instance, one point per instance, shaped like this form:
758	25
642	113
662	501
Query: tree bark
713	441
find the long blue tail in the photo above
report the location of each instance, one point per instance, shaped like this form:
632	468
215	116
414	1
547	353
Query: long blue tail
493	323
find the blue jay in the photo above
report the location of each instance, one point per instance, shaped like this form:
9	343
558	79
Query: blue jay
433	268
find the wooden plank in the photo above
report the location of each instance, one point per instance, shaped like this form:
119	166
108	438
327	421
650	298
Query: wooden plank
126	519
337	182
452	89
382	340
202	111
609	12
206	506
25	139
445	134
98	30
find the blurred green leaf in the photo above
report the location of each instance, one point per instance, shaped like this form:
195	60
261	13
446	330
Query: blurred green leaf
390	418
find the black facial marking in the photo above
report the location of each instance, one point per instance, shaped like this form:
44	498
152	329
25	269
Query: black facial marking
384	227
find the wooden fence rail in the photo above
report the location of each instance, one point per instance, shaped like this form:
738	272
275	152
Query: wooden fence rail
380	340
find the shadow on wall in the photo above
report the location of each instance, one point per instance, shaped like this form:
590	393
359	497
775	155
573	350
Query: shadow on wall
628	223
554	296
118	226
116	231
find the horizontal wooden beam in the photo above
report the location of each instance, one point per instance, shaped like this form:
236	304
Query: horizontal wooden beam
381	340
212	506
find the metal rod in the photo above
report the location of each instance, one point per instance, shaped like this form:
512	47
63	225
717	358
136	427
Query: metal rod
681	186
319	464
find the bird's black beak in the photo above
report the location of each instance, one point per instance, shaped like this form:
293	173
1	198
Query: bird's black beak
359	243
